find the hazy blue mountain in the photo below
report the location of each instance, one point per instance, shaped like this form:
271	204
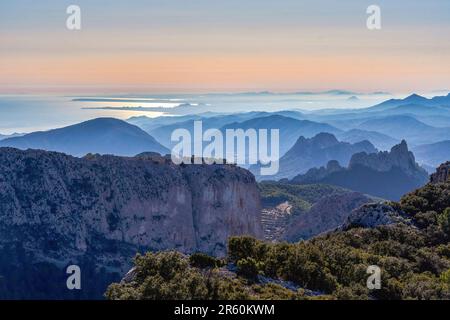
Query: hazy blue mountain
412	99
290	129
432	155
148	124
353	98
379	140
385	174
406	127
442	121
434	111
6	136
101	135
314	152
419	110
163	131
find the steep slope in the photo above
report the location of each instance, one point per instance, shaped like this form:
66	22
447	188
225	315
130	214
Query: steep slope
386	174
326	215
412	99
379	140
101	135
408	241
98	211
314	152
293	212
406	127
433	154
163	132
6	136
290	129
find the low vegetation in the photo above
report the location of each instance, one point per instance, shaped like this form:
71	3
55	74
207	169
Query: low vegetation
414	260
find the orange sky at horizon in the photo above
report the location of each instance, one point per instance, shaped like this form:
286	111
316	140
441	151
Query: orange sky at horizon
226	58
263	71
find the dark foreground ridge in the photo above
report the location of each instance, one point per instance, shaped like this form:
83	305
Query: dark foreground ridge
99	211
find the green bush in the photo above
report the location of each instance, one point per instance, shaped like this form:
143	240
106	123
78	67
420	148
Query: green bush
444	221
248	268
203	261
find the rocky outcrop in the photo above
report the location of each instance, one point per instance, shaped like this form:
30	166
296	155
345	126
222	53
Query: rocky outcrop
327	214
374	215
314	152
62	209
388	175
316	174
399	157
442	173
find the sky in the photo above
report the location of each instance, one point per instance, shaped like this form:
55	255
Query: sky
225	46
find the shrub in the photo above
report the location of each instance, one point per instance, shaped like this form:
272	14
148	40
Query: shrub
241	247
203	261
248	268
444	221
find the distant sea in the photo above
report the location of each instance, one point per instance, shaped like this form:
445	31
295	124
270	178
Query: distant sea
28	113
23	114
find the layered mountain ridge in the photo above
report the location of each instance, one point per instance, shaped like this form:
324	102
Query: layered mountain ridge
388	175
312	152
101	135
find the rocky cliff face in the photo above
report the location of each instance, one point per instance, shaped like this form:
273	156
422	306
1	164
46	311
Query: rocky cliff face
326	215
399	157
442	173
59	209
374	215
317	151
388	175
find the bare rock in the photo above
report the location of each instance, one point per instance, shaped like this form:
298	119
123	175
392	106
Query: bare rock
374	215
61	208
326	215
442	173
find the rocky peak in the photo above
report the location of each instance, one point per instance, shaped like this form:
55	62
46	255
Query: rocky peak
415	98
325	140
374	215
442	174
399	157
399	149
333	166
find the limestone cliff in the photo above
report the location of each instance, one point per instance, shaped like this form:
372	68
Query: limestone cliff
60	209
399	157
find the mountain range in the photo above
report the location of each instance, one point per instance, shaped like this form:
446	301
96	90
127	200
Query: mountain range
379	140
308	153
413	99
101	135
386	175
433	154
6	136
290	128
